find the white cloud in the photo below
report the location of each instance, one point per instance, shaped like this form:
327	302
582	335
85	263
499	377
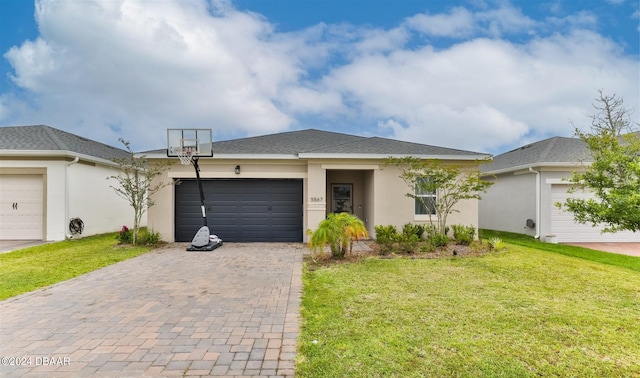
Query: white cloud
486	93
457	23
130	68
152	65
460	22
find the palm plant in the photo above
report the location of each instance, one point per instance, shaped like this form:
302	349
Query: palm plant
338	230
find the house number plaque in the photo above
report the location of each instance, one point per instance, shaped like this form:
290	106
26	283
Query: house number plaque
316	199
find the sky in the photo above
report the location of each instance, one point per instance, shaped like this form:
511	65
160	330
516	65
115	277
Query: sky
479	75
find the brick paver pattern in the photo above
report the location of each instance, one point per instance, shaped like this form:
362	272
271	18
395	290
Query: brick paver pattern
230	312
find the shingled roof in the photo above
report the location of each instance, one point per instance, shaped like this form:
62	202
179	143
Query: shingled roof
47	138
313	143
553	151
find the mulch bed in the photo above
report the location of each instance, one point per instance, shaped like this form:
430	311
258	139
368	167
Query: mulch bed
372	250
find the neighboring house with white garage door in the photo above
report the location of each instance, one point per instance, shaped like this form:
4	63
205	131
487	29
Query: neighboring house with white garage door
276	187
529	181
49	177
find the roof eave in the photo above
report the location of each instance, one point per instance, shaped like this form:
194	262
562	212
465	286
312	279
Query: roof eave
55	153
227	156
312	155
315	155
535	165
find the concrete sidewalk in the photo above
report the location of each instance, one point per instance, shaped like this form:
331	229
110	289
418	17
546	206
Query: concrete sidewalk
230	312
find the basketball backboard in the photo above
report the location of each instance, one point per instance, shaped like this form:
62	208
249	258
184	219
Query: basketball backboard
198	141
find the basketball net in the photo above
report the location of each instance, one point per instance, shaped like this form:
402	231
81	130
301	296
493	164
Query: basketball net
185	154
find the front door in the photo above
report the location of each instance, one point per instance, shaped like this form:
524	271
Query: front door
342	198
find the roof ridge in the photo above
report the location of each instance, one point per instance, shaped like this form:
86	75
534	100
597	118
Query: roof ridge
52	133
430	145
549	147
360	139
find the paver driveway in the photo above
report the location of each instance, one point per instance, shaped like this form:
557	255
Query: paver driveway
230	312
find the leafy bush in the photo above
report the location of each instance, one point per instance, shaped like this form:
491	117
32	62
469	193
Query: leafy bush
439	240
389	239
496	243
436	238
338	231
408	243
411	236
427	247
125	236
146	237
386	237
413	229
463	235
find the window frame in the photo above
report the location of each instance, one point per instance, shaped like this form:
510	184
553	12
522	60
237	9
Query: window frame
418	204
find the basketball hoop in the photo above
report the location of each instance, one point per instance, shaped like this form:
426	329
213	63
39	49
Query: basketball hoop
185	154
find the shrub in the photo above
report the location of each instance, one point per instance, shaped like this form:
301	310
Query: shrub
496	243
411	236
386	237
147	237
413	229
125	236
338	231
427	247
408	242
439	240
463	235
436	238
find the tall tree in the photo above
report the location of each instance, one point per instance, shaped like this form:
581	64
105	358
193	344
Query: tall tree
614	174
135	183
439	187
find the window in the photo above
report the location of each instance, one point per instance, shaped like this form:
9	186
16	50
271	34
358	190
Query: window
342	198
425	200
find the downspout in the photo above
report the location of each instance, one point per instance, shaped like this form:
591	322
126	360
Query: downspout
537	235
66	195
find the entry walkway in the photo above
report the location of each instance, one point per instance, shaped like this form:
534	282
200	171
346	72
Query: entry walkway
230	312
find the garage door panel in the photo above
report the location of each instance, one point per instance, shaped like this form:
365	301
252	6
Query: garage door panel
241	210
567	230
21	207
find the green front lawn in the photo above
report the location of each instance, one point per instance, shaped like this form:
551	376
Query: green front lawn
35	267
522	312
629	262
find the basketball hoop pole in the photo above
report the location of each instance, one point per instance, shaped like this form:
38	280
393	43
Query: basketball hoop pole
194	161
188	145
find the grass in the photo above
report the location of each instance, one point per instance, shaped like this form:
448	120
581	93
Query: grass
31	268
629	262
522	312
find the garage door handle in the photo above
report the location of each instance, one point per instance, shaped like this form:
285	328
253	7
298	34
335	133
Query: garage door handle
15	206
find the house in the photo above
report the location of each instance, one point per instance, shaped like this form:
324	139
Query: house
529	181
53	185
276	187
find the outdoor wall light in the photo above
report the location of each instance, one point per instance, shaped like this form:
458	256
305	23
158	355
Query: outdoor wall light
237	169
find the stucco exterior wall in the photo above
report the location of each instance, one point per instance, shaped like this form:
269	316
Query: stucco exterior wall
93	200
393	207
509	202
378	192
75	190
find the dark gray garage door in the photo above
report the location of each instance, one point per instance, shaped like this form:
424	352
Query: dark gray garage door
241	210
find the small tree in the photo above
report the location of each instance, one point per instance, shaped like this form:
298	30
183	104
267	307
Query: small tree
450	184
614	175
338	230
135	183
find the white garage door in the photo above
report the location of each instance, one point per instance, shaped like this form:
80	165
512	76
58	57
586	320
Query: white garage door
21	207
568	231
